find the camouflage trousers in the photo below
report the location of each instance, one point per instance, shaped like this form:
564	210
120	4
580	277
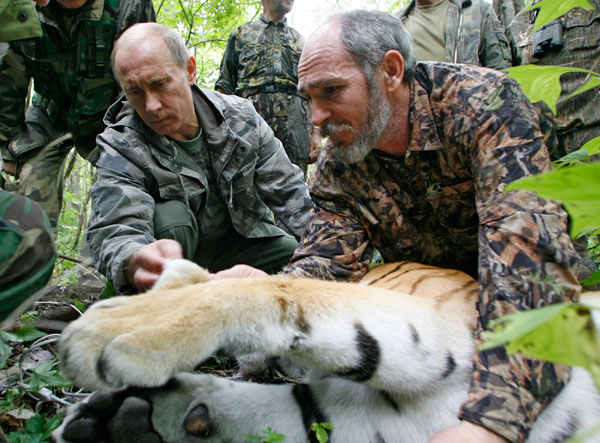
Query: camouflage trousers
27	252
40	177
288	115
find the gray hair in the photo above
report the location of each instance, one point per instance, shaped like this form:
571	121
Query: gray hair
368	35
173	40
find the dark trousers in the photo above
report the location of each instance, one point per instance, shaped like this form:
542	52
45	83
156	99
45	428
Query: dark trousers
174	220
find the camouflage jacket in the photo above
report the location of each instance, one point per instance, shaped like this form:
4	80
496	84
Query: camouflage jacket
472	132
578	118
474	35
137	168
70	65
258	54
18	20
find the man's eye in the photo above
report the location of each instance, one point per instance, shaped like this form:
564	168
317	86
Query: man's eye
330	90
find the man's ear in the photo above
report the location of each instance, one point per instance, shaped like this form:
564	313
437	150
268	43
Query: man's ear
191	70
393	69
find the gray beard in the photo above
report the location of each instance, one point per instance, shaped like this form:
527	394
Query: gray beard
378	115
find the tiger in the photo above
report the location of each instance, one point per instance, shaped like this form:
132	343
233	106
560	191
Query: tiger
388	359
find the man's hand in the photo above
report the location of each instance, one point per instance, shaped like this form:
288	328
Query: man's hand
467	432
9	167
41	2
238	271
315	145
146	264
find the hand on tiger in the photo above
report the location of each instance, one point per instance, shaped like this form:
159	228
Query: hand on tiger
9	167
238	271
146	264
467	432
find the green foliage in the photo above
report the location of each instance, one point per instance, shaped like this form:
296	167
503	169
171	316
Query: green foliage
576	187
73	219
79	305
45	375
595	278
24	333
30	380
269	436
37	430
551	9
205	26
542	83
109	291
321	431
562	333
13	399
582	155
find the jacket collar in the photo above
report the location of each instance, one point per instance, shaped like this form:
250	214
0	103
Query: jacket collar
210	118
422	125
267	22
462	4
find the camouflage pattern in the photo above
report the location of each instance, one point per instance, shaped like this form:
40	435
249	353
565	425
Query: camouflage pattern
474	35
443	204
578	118
74	86
264	54
138	169
27	252
506	10
18	19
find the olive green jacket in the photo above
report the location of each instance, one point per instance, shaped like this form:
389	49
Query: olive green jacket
73	80
138	168
474	35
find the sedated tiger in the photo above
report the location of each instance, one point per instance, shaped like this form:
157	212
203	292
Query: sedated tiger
388	359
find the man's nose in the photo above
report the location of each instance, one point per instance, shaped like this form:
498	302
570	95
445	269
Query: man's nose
153	103
320	114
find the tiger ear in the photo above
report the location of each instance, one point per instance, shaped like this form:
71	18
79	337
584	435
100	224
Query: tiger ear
178	273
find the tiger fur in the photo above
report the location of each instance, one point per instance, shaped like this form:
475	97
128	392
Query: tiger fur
389	359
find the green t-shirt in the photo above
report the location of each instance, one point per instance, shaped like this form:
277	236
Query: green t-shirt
427	26
213	218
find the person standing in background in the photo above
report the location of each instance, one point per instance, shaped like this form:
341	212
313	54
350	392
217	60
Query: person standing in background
470	32
571	41
73	88
261	63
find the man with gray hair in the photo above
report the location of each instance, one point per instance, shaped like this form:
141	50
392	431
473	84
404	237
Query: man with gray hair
186	172
418	157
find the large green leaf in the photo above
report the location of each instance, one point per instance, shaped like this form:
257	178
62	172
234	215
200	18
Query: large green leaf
591	83
583	154
561	333
577	187
595	278
542	82
551	9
